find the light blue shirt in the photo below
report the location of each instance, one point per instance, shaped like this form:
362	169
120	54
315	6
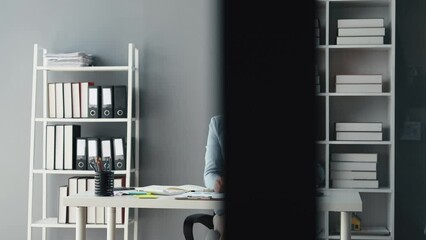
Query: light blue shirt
215	154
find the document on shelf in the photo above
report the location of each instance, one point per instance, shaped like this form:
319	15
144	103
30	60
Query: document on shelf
173	190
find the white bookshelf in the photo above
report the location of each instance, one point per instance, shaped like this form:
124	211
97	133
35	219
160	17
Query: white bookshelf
332	107
41	194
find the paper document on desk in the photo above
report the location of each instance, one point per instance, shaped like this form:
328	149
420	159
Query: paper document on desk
173	190
202	196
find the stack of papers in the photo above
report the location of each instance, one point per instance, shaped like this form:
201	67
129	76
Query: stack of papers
173	190
202	196
68	59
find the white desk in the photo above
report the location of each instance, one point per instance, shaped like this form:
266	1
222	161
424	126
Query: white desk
88	199
344	202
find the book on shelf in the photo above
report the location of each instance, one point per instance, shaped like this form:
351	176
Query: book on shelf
59	147
72	189
355	175
359	79
317	79
359	88
361	31
59	100
358	126
350	183
91	211
354	157
62	209
353	166
361	23
76	112
359	136
84	98
368	230
50	147
52	100
67	100
71	133
360	40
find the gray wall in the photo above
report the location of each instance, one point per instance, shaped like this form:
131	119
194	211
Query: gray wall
180	91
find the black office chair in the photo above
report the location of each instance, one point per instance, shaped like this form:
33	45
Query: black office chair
188	224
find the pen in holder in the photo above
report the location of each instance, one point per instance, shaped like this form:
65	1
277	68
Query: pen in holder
104	180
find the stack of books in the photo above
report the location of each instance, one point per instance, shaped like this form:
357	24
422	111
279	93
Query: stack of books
359	131
354	170
317	80
360	31
359	83
78	59
317	32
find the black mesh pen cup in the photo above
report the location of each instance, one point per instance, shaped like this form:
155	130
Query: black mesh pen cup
104	183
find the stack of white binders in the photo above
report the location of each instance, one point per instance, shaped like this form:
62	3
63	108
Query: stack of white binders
354	170
359	131
360	31
367	83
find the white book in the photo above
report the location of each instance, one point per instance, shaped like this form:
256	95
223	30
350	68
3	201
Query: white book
91	211
359	40
62	209
52	100
317	88
361	31
100	215
360	175
343	183
50	147
360	23
67	100
354	157
353	166
359	79
59	147
72	189
359	88
59	93
358	126
359	136
84	98
119	213
76	113
317	79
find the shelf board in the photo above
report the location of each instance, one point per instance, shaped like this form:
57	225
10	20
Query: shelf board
369	237
86	69
366	46
94	120
359	94
362	142
53	223
362	190
75	172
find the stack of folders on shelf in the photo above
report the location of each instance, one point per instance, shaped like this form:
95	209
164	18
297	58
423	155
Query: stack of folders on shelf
317	80
361	83
354	170
359	131
85	100
95	215
317	31
67	150
79	59
360	31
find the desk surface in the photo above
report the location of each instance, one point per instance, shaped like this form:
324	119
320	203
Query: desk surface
88	199
340	201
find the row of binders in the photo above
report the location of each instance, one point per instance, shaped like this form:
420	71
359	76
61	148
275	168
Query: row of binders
354	170
85	100
359	131
67	150
360	31
95	215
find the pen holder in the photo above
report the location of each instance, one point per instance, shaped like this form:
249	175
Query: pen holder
104	183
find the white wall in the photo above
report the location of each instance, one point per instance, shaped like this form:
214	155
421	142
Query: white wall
180	90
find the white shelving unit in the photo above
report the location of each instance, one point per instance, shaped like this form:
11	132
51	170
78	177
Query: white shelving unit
40	180
332	107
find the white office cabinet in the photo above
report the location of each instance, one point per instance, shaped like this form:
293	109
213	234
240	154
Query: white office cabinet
43	182
359	106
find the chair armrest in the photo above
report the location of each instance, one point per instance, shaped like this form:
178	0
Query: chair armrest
205	219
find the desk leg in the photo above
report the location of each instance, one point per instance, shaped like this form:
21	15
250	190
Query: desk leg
345	225
111	223
80	230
